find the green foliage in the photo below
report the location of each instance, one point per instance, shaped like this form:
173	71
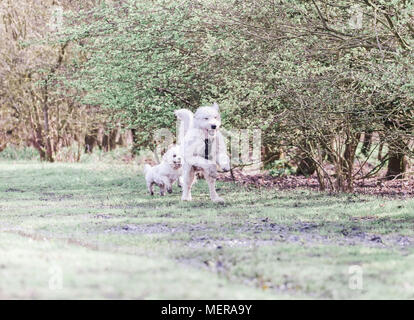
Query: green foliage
139	63
19	153
301	71
279	168
114	156
146	59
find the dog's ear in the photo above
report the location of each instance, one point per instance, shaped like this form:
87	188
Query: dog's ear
216	106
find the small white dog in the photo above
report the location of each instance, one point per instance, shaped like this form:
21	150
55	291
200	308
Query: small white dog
202	147
166	173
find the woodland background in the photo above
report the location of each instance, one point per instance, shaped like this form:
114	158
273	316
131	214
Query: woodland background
329	83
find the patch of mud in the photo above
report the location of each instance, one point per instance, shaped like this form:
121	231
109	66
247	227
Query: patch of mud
51	196
227	243
102	216
164	228
143	229
262	232
143	205
13	190
356	236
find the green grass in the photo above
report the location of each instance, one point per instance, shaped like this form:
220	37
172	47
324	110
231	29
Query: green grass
90	230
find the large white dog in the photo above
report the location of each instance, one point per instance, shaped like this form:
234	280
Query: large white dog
166	173
202	147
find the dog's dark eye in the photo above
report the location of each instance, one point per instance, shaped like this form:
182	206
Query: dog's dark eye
205	118
174	156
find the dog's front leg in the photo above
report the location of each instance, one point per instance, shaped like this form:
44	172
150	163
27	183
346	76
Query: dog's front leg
180	181
162	189
188	179
166	185
211	181
150	188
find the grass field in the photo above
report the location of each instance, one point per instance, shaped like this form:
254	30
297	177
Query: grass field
91	231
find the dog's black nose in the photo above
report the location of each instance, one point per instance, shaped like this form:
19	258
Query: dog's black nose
213	126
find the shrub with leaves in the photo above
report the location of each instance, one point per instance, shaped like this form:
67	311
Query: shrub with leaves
315	76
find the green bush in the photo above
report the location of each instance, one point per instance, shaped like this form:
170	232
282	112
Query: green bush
19	153
279	168
299	70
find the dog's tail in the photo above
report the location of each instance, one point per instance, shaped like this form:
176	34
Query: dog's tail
186	118
147	168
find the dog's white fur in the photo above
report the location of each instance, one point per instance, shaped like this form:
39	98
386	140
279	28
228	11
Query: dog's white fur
194	129
166	173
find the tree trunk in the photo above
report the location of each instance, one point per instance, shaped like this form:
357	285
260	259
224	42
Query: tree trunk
112	139
135	145
48	144
45	109
49	152
3	146
37	143
349	157
397	163
366	146
306	167
91	140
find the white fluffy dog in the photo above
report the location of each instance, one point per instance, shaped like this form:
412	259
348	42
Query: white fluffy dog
202	147
166	173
